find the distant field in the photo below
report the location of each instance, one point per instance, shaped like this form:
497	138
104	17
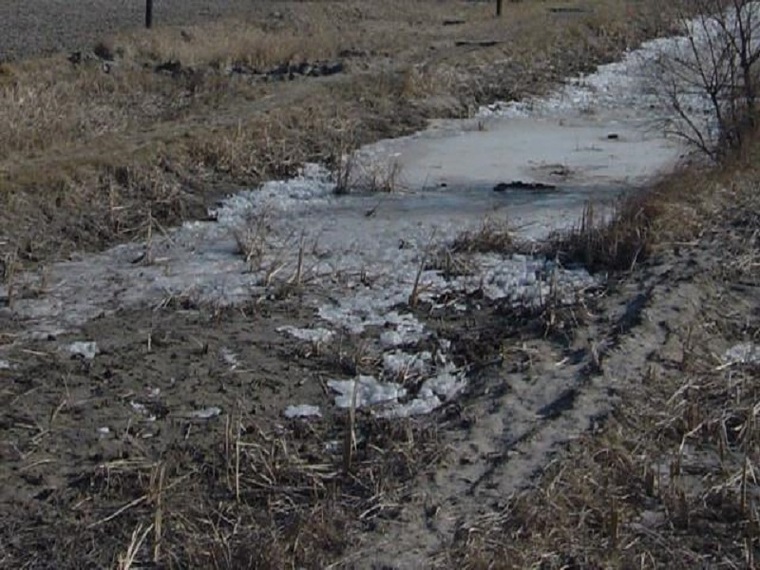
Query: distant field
35	27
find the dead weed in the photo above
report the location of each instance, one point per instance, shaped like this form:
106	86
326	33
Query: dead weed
264	498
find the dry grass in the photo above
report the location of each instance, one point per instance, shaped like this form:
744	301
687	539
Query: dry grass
263	499
617	241
675	210
223	44
491	236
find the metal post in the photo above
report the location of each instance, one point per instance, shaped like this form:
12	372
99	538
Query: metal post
149	13
498	7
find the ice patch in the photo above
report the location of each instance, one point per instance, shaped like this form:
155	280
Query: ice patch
229	358
369	392
742	353
389	397
313	185
524	280
302	411
358	310
447	383
205	413
433	393
399	364
313	335
142	410
624	85
88	350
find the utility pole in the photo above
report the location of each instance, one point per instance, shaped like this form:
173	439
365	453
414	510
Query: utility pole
149	13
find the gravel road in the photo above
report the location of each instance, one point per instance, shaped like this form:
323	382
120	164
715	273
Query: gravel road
37	27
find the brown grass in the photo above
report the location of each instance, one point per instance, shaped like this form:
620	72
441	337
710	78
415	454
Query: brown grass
491	236
674	210
263	499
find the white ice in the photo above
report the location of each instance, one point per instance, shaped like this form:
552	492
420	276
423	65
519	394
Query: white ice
314	335
742	353
88	350
390	399
302	411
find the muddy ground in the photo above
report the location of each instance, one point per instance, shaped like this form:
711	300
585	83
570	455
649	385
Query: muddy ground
169	447
85	437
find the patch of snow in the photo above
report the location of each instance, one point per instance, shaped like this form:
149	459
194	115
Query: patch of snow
416	407
432	394
313	335
625	85
88	350
229	358
358	310
524	280
406	330
205	413
302	411
406	326
447	383
398	364
143	410
313	185
390	397
369	392
742	353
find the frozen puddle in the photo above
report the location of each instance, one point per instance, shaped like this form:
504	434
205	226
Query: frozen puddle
358	256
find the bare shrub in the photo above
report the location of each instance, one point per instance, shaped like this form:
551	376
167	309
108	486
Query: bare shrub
708	78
